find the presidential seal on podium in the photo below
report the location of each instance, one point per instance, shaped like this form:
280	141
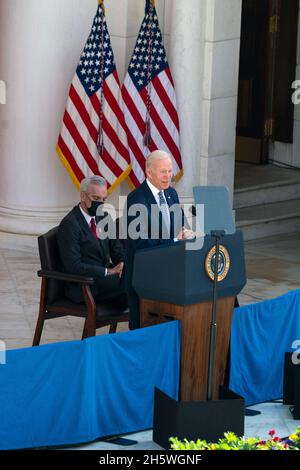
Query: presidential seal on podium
223	263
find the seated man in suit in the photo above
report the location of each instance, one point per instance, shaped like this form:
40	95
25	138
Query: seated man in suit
83	252
156	196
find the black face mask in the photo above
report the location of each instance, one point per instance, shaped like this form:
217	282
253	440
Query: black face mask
94	207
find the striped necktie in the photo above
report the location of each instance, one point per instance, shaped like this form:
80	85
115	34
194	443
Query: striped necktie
164	208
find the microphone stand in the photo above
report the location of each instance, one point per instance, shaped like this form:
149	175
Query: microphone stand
213	326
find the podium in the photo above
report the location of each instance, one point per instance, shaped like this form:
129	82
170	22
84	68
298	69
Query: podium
175	283
196	283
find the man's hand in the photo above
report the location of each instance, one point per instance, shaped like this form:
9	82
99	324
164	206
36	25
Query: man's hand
185	234
118	269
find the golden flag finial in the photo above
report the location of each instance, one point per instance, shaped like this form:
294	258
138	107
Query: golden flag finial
101	3
152	3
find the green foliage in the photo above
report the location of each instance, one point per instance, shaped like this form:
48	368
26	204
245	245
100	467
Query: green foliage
232	442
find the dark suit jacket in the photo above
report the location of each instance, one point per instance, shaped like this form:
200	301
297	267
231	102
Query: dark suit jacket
81	253
143	195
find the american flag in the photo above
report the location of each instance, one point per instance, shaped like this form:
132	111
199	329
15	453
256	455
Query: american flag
149	100
93	138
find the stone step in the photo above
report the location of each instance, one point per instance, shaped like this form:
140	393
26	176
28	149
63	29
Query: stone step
272	192
264	220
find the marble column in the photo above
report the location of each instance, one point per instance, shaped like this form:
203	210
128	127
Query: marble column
186	30
40	45
220	89
204	57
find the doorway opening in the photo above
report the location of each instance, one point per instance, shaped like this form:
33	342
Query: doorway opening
267	70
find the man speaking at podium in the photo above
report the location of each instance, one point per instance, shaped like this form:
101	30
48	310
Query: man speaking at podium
159	226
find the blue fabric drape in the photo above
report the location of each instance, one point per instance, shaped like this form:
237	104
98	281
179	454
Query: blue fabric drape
260	335
72	392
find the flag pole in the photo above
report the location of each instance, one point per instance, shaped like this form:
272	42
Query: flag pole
147	136
100	144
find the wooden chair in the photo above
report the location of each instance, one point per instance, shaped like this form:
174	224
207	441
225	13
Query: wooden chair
54	304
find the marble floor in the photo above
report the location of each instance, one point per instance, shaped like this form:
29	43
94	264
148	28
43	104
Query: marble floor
273	268
248	175
273	415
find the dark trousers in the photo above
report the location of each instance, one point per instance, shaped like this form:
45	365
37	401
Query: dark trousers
108	289
134	310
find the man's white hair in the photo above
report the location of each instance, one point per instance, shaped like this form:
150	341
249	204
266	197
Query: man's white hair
155	156
86	182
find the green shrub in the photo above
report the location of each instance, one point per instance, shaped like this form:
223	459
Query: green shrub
232	442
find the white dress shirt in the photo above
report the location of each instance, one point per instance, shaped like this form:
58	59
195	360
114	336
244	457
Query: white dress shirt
87	216
155	192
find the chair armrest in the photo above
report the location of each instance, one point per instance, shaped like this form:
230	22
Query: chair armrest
59	276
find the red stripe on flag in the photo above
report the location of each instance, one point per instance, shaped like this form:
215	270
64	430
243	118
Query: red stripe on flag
83	114
110	131
96	104
106	157
120	116
168	72
164	97
134	179
70	159
82	146
115	74
162	130
113	103
111	164
135	149
133	110
136	116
